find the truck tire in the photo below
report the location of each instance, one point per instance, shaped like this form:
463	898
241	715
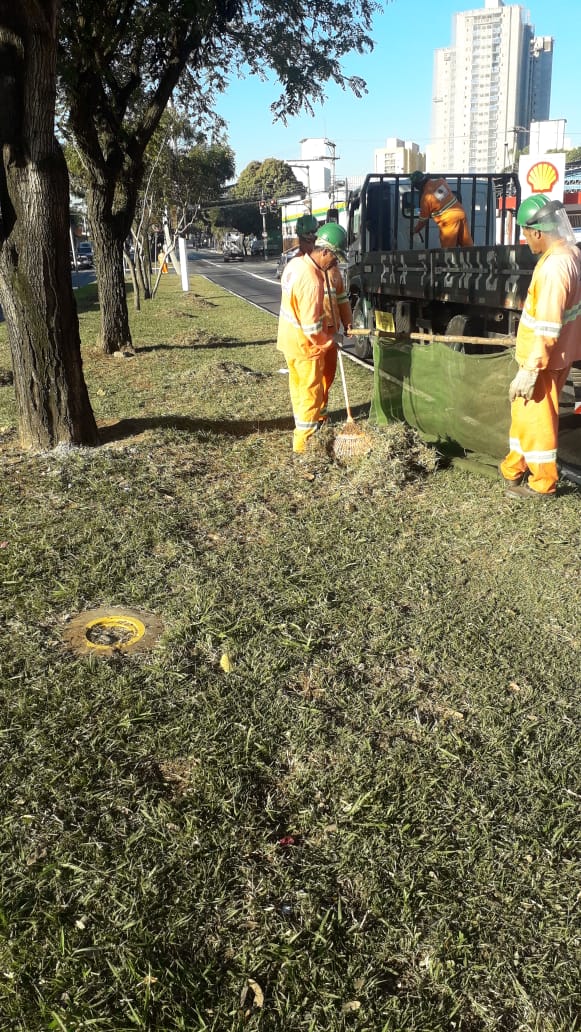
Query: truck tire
466	326
363	320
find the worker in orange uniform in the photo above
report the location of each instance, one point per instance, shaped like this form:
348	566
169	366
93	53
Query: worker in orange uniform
338	312
548	341
437	201
306	343
307	227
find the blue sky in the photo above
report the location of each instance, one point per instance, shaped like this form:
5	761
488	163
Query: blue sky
399	79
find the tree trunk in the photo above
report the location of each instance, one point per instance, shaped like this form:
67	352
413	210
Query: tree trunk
135	281
108	233
142	274
141	269
35	276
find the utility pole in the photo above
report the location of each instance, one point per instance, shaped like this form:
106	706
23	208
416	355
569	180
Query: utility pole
262	210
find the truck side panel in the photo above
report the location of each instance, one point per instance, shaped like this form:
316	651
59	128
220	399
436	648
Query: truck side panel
476	290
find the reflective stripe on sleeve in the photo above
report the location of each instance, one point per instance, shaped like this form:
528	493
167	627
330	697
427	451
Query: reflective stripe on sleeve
540	329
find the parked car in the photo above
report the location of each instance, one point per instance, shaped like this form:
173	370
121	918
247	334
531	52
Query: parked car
285	258
84	255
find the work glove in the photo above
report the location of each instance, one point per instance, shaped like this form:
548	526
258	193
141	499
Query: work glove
523	385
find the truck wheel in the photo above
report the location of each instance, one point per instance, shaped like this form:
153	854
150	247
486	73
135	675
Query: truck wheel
362	320
466	326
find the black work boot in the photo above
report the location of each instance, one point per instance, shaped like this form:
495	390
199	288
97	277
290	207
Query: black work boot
515	490
510	483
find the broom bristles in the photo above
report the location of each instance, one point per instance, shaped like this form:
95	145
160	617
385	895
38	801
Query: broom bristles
351	441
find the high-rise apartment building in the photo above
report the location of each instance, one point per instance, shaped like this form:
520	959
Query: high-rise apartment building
541	67
398	156
488	87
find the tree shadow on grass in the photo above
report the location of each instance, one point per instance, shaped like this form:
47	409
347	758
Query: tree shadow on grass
125	428
223	342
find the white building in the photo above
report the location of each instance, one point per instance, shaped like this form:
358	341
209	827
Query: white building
315	169
398	156
488	86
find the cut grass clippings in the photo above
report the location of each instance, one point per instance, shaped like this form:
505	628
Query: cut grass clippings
342	790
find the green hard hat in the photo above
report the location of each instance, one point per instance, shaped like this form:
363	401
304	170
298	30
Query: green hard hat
306	224
537	212
417	179
334	238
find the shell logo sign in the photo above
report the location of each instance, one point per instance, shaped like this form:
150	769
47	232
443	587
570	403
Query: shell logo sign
542	177
541	173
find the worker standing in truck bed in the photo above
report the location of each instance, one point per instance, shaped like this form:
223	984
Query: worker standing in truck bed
437	201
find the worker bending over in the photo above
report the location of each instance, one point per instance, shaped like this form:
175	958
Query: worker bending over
305	337
548	341
437	201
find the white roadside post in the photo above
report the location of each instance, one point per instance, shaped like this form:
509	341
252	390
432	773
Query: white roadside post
183	263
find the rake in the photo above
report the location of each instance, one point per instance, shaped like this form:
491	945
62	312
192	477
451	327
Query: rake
351	441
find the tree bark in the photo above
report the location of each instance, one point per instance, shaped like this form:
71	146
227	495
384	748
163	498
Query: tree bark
35	276
135	282
109	234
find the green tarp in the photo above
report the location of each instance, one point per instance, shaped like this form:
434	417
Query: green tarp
455	400
459	402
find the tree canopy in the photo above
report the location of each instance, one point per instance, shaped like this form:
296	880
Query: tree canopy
120	62
270	179
117	63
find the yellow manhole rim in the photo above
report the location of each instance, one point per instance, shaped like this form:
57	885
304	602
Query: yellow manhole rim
125	630
112	630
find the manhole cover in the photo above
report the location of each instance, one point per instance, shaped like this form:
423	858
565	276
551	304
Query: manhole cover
112	629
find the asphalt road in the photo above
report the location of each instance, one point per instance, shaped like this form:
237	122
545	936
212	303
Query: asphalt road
253	279
82	277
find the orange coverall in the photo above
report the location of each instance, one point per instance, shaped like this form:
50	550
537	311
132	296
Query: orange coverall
548	340
443	206
309	348
337	308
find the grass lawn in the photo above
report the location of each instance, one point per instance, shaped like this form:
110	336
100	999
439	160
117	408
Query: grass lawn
342	789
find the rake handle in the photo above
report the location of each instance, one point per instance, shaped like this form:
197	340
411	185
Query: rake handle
344	382
339	355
